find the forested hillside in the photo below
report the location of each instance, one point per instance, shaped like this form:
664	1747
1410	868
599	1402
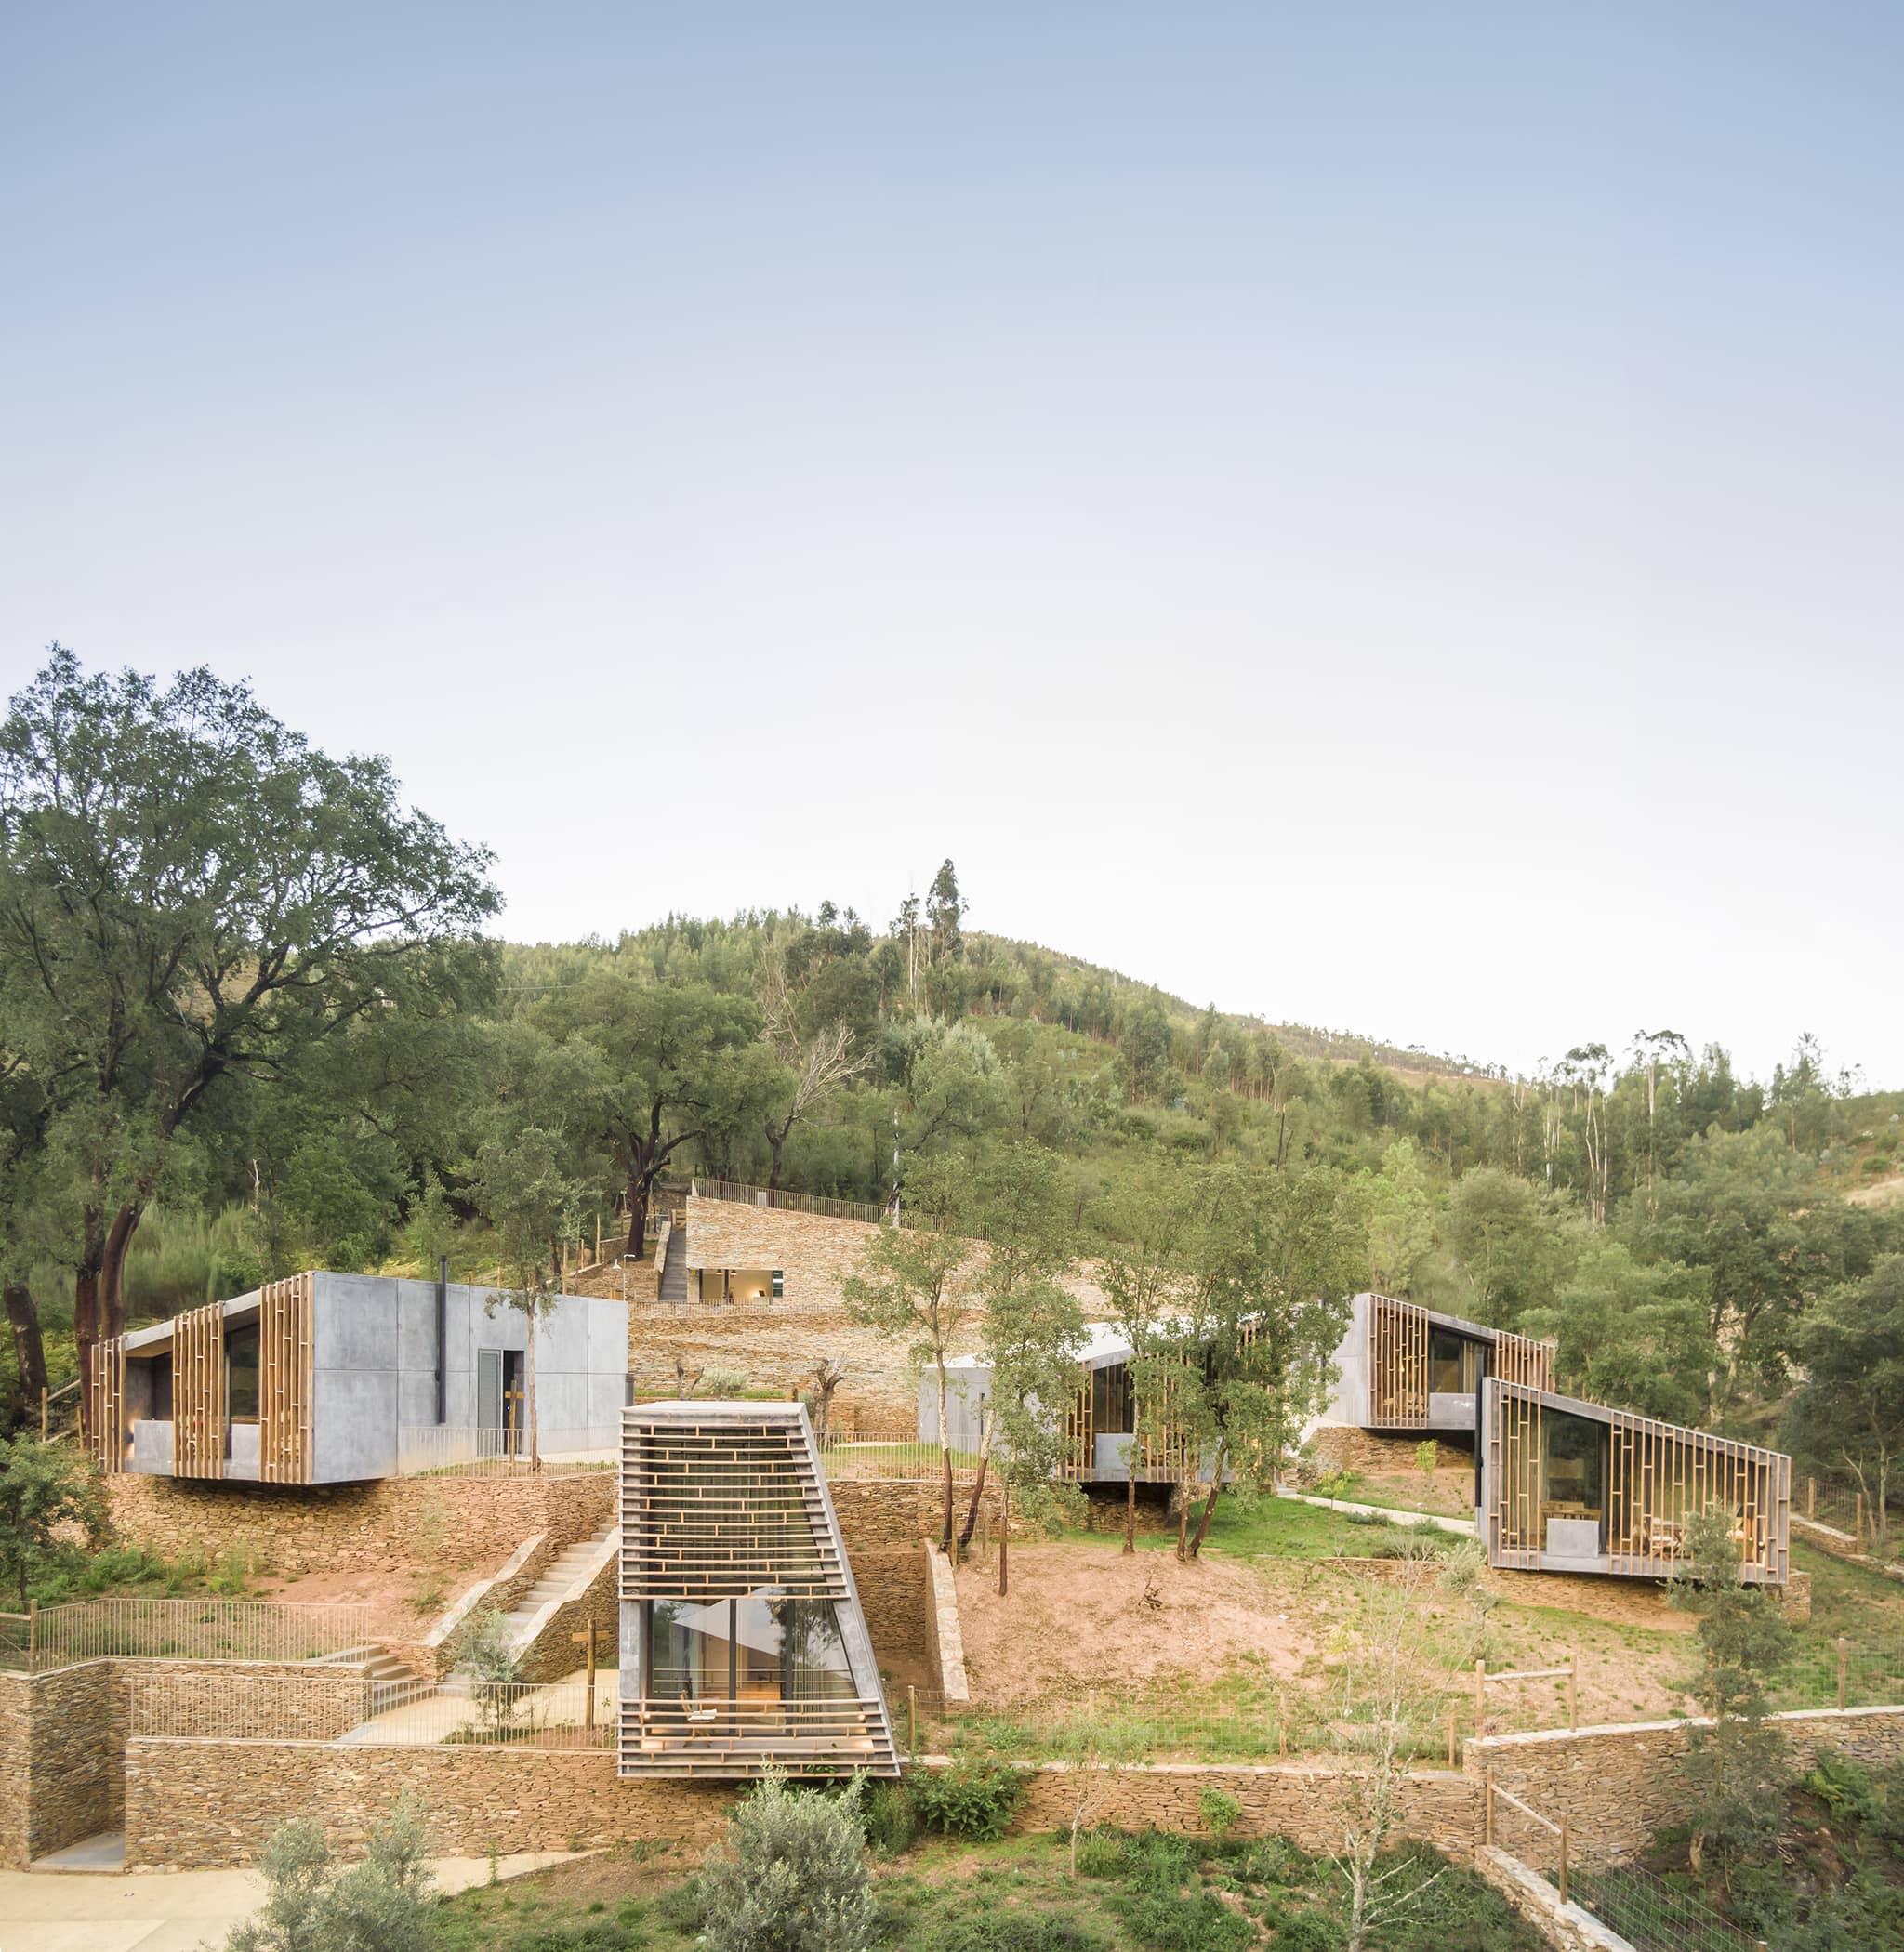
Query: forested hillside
254	1020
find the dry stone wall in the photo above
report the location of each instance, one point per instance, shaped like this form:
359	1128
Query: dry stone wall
597	1610
1617	1785
212	1804
1298	1801
392	1525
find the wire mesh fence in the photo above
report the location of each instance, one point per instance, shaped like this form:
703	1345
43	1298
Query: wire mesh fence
352	1706
1653	1915
845	1457
179	1629
461	1450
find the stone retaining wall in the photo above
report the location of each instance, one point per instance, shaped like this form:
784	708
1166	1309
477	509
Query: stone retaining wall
1617	1785
62	1736
392	1525
945	1637
892	1584
1291	1800
892	1512
1564	1927
204	1805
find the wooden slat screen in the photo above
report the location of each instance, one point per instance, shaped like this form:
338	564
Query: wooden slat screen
1513	1475
1658	1476
1661	1475
1397	1363
198	1392
283	1381
1079	1458
1519	1359
716	1510
105	1405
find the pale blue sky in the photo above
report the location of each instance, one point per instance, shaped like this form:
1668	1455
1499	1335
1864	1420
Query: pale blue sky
1383	515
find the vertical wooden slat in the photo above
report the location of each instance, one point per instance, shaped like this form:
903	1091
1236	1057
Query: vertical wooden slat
198	1392
284	1380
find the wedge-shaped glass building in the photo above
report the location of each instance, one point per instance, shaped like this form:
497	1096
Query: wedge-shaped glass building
1568	1486
742	1645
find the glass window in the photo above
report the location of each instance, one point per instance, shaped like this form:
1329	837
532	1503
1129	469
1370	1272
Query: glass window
1110	1400
1444	1362
762	1648
1575	1467
240	1373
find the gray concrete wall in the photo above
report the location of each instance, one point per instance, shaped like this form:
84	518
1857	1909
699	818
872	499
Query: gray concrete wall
374	1365
1348	1402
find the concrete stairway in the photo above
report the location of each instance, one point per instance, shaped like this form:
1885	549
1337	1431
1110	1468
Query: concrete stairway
389	1682
556	1579
674	1269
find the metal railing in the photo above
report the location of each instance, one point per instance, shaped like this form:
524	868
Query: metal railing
51	1637
462	1450
773	1197
873	1457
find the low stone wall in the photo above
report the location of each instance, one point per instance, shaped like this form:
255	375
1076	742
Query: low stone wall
1617	1785
392	1525
1291	1800
945	1637
1346	1447
892	1594
61	1738
213	1698
205	1805
1564	1927
895	1511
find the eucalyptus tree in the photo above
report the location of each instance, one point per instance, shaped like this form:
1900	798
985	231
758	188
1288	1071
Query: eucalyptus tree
918	1284
1030	1326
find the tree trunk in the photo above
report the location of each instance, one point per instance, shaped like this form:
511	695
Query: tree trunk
85	1307
946	1455
29	1349
778	1141
978	1490
1004	1527
555	1260
1216	1485
112	1268
638	1214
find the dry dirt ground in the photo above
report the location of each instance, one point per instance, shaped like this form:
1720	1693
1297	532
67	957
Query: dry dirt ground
394	1598
1080	1614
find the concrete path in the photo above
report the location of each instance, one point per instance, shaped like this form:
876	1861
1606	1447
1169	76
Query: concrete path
1464	1527
434	1717
171	1911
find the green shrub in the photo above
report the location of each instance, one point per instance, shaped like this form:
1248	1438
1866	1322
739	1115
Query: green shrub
1844	1787
1155	1861
975	1798
1170	1921
891	1819
1016	1931
1275	1860
792	1876
1309	1931
1220	1810
1100	1854
681	1907
384	1901
1367	1518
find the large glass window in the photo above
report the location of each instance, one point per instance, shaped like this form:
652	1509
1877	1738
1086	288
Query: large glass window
240	1373
766	1647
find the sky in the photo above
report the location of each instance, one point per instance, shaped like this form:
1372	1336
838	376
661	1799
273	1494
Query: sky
1383	516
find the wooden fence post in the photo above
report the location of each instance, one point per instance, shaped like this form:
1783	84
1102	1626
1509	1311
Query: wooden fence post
1563	1859
1450	1735
43	1414
912	1717
1811	1497
32	1633
1489	1831
1859	1536
1480	1697
1841	1671
1573	1699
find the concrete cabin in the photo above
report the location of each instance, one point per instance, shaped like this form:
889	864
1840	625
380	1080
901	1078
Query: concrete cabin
329	1378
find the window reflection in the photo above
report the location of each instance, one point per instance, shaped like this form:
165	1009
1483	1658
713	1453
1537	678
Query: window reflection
763	1648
